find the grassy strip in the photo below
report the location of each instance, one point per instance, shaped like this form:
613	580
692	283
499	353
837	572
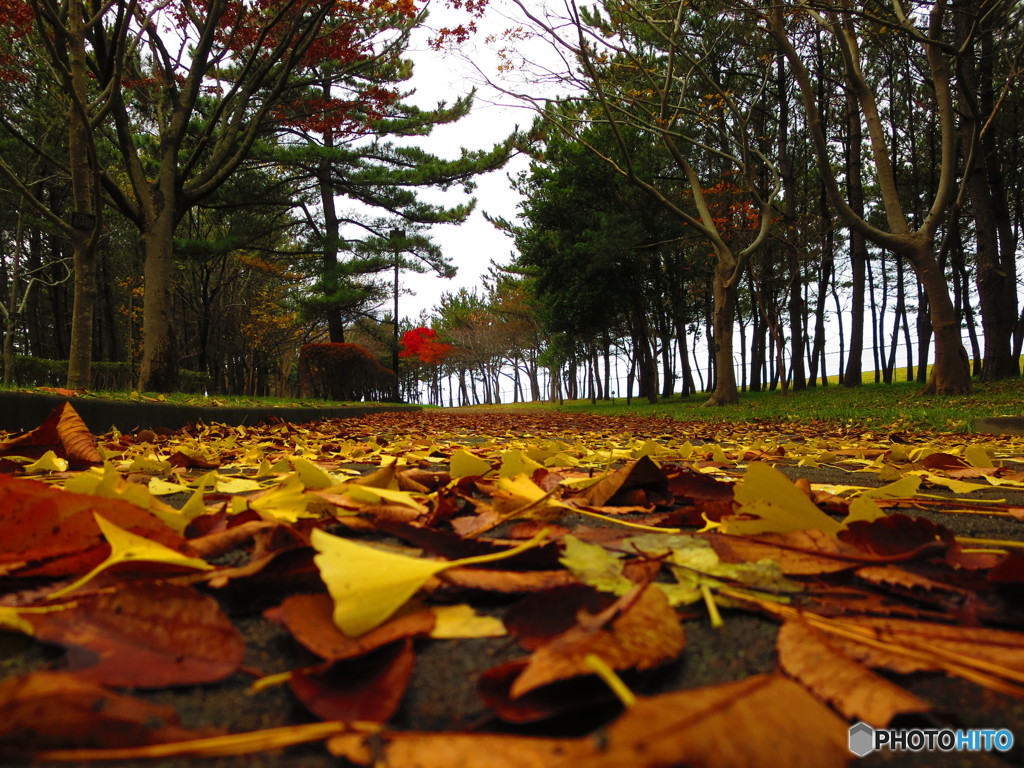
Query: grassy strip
203	401
889	407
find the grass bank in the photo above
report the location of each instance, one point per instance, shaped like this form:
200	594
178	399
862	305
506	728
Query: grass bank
893	407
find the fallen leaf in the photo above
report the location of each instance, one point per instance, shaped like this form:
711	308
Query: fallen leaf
54	709
612	490
764	721
465	464
638	631
310	619
537	619
777	504
368	584
144	635
364	689
855	691
47	531
127	547
63	431
461	621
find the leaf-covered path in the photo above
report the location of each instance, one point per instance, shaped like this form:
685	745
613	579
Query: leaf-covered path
505	589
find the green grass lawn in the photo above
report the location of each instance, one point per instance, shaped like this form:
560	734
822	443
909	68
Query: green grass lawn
884	406
892	407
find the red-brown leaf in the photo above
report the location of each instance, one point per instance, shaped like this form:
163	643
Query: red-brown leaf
63	432
144	635
368	688
52	710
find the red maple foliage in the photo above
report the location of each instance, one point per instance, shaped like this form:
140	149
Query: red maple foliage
423	344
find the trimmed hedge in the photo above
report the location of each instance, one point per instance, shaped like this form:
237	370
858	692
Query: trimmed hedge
343	372
38	372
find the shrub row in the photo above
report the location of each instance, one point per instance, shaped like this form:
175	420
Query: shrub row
343	372
37	372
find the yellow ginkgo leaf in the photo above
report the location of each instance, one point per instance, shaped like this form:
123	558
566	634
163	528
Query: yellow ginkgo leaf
236	485
369	584
461	621
10	619
515	462
978	457
312	475
125	547
863	509
385	477
524	487
147	464
903	488
48	462
956	486
779	505
159	487
370	495
194	507
561	460
465	464
286	502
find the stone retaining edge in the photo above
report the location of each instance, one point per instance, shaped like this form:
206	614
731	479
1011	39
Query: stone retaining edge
21	411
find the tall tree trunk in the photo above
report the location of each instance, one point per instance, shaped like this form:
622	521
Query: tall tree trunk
853	376
86	221
158	369
724	291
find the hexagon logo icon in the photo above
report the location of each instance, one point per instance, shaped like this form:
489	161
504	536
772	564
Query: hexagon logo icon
862	739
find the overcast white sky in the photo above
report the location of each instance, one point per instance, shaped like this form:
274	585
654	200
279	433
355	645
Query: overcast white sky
473	245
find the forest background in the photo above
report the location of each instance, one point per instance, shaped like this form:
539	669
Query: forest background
717	195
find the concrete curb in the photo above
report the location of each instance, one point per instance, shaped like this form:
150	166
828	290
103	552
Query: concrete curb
1000	425
21	411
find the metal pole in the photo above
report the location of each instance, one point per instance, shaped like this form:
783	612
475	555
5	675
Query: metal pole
396	236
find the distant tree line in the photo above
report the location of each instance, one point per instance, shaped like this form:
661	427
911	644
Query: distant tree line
763	181
208	187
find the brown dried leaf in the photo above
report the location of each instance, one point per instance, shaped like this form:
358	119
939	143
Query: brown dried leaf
58	530
799	553
504	582
368	688
144	635
858	693
53	710
63	432
310	619
900	578
934	646
615	489
539	618
638	631
762	722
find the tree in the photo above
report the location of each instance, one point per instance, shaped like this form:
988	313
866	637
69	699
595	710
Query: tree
348	141
592	245
60	33
848	31
673	72
186	91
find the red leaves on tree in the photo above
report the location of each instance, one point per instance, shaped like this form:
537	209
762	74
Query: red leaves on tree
422	343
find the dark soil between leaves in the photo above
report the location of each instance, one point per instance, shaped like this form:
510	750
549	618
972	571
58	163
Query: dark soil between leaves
443	694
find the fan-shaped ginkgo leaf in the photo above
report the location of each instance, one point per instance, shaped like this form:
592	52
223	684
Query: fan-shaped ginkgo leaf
125	547
369	584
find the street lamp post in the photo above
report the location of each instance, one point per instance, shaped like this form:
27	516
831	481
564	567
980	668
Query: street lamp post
396	237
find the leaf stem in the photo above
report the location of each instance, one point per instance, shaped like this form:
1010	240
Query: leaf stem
612	680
